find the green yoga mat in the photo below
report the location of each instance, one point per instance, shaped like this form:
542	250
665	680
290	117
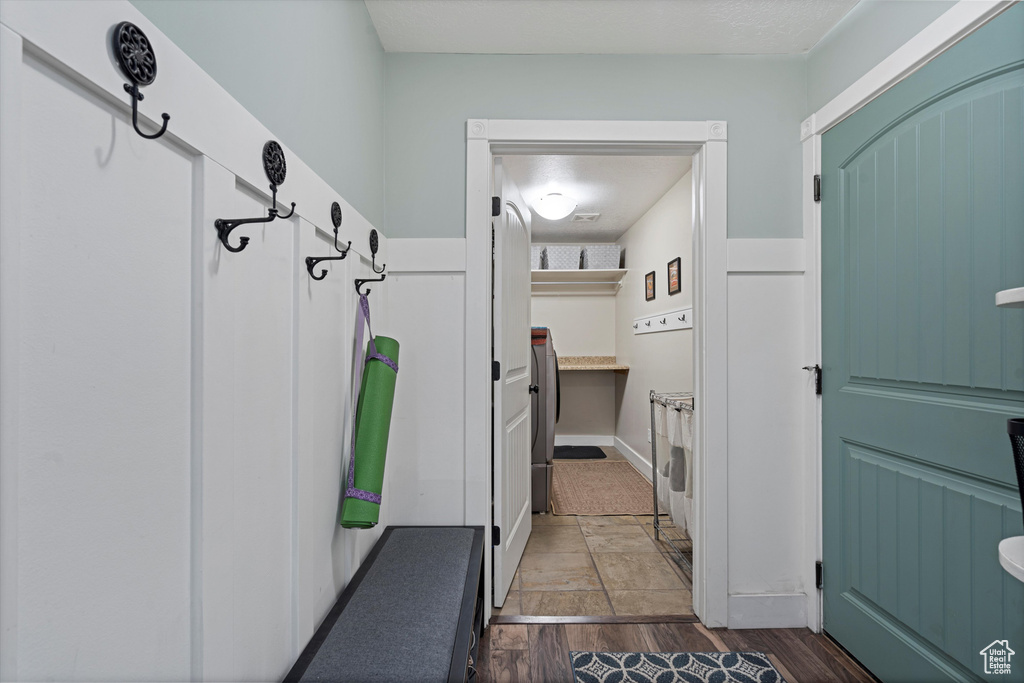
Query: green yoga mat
373	421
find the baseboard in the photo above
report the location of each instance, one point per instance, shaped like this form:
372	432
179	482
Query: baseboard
584	440
773	610
640	462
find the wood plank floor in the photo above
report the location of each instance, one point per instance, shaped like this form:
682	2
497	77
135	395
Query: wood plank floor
536	653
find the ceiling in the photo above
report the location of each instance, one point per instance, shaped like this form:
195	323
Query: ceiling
605	26
620	188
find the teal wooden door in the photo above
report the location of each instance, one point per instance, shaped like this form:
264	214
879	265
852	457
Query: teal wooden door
922	222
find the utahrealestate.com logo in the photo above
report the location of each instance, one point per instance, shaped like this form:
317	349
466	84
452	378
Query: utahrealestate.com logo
997	657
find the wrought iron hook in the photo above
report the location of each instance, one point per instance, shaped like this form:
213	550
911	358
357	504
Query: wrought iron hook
361	282
373	254
137	60
311	261
275	167
137	97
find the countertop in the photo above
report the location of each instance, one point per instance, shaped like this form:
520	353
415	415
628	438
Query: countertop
590	363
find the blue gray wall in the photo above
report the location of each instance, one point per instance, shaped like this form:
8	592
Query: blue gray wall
311	71
872	31
387	131
430	96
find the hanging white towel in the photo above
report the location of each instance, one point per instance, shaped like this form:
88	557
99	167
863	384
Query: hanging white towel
688	457
659	419
684	422
672	416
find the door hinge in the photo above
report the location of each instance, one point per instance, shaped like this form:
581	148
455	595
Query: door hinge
816	369
495	535
495	370
817	189
818	577
495	207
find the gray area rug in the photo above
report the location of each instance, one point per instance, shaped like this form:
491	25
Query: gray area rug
667	667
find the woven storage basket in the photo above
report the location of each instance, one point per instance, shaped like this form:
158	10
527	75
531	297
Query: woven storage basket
603	256
564	257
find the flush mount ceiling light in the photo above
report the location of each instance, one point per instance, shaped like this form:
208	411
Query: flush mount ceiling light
554	206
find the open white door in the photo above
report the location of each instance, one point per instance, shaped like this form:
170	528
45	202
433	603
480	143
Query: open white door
511	334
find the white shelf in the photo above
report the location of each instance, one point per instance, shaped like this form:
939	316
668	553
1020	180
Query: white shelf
1010	298
590	281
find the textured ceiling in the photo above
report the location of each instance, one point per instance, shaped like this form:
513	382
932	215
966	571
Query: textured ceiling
605	26
620	188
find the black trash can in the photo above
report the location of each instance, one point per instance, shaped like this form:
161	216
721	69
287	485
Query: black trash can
1015	428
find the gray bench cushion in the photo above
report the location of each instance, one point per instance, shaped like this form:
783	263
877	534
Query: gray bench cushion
400	623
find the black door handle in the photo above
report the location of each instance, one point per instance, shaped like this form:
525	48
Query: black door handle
534	389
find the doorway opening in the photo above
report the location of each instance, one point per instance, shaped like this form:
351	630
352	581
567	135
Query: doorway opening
611	306
705	143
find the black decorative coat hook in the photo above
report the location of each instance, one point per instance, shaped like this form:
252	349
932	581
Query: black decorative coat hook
360	283
276	168
137	60
373	262
312	261
373	254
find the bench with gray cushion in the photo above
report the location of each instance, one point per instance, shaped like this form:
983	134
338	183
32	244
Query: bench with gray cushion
412	612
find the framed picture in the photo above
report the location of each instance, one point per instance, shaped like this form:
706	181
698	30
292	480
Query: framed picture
649	288
674	286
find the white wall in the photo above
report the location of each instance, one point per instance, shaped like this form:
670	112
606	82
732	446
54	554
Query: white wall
173	417
662	361
768	476
427	303
588	408
581	325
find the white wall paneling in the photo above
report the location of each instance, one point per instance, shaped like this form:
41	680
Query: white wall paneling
780	610
11	70
173	417
95	320
426	305
677	319
767	388
766	255
246	443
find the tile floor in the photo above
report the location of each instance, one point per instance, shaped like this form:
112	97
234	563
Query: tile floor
600	566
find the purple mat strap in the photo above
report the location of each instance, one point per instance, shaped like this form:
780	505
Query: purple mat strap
362	318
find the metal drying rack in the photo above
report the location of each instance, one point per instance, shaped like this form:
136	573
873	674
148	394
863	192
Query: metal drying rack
677	400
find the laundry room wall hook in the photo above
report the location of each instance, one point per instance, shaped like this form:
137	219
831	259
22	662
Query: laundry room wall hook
276	168
137	60
311	261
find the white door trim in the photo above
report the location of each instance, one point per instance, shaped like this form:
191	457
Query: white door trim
706	140
956	24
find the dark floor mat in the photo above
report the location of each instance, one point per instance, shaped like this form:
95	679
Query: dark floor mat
579	453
